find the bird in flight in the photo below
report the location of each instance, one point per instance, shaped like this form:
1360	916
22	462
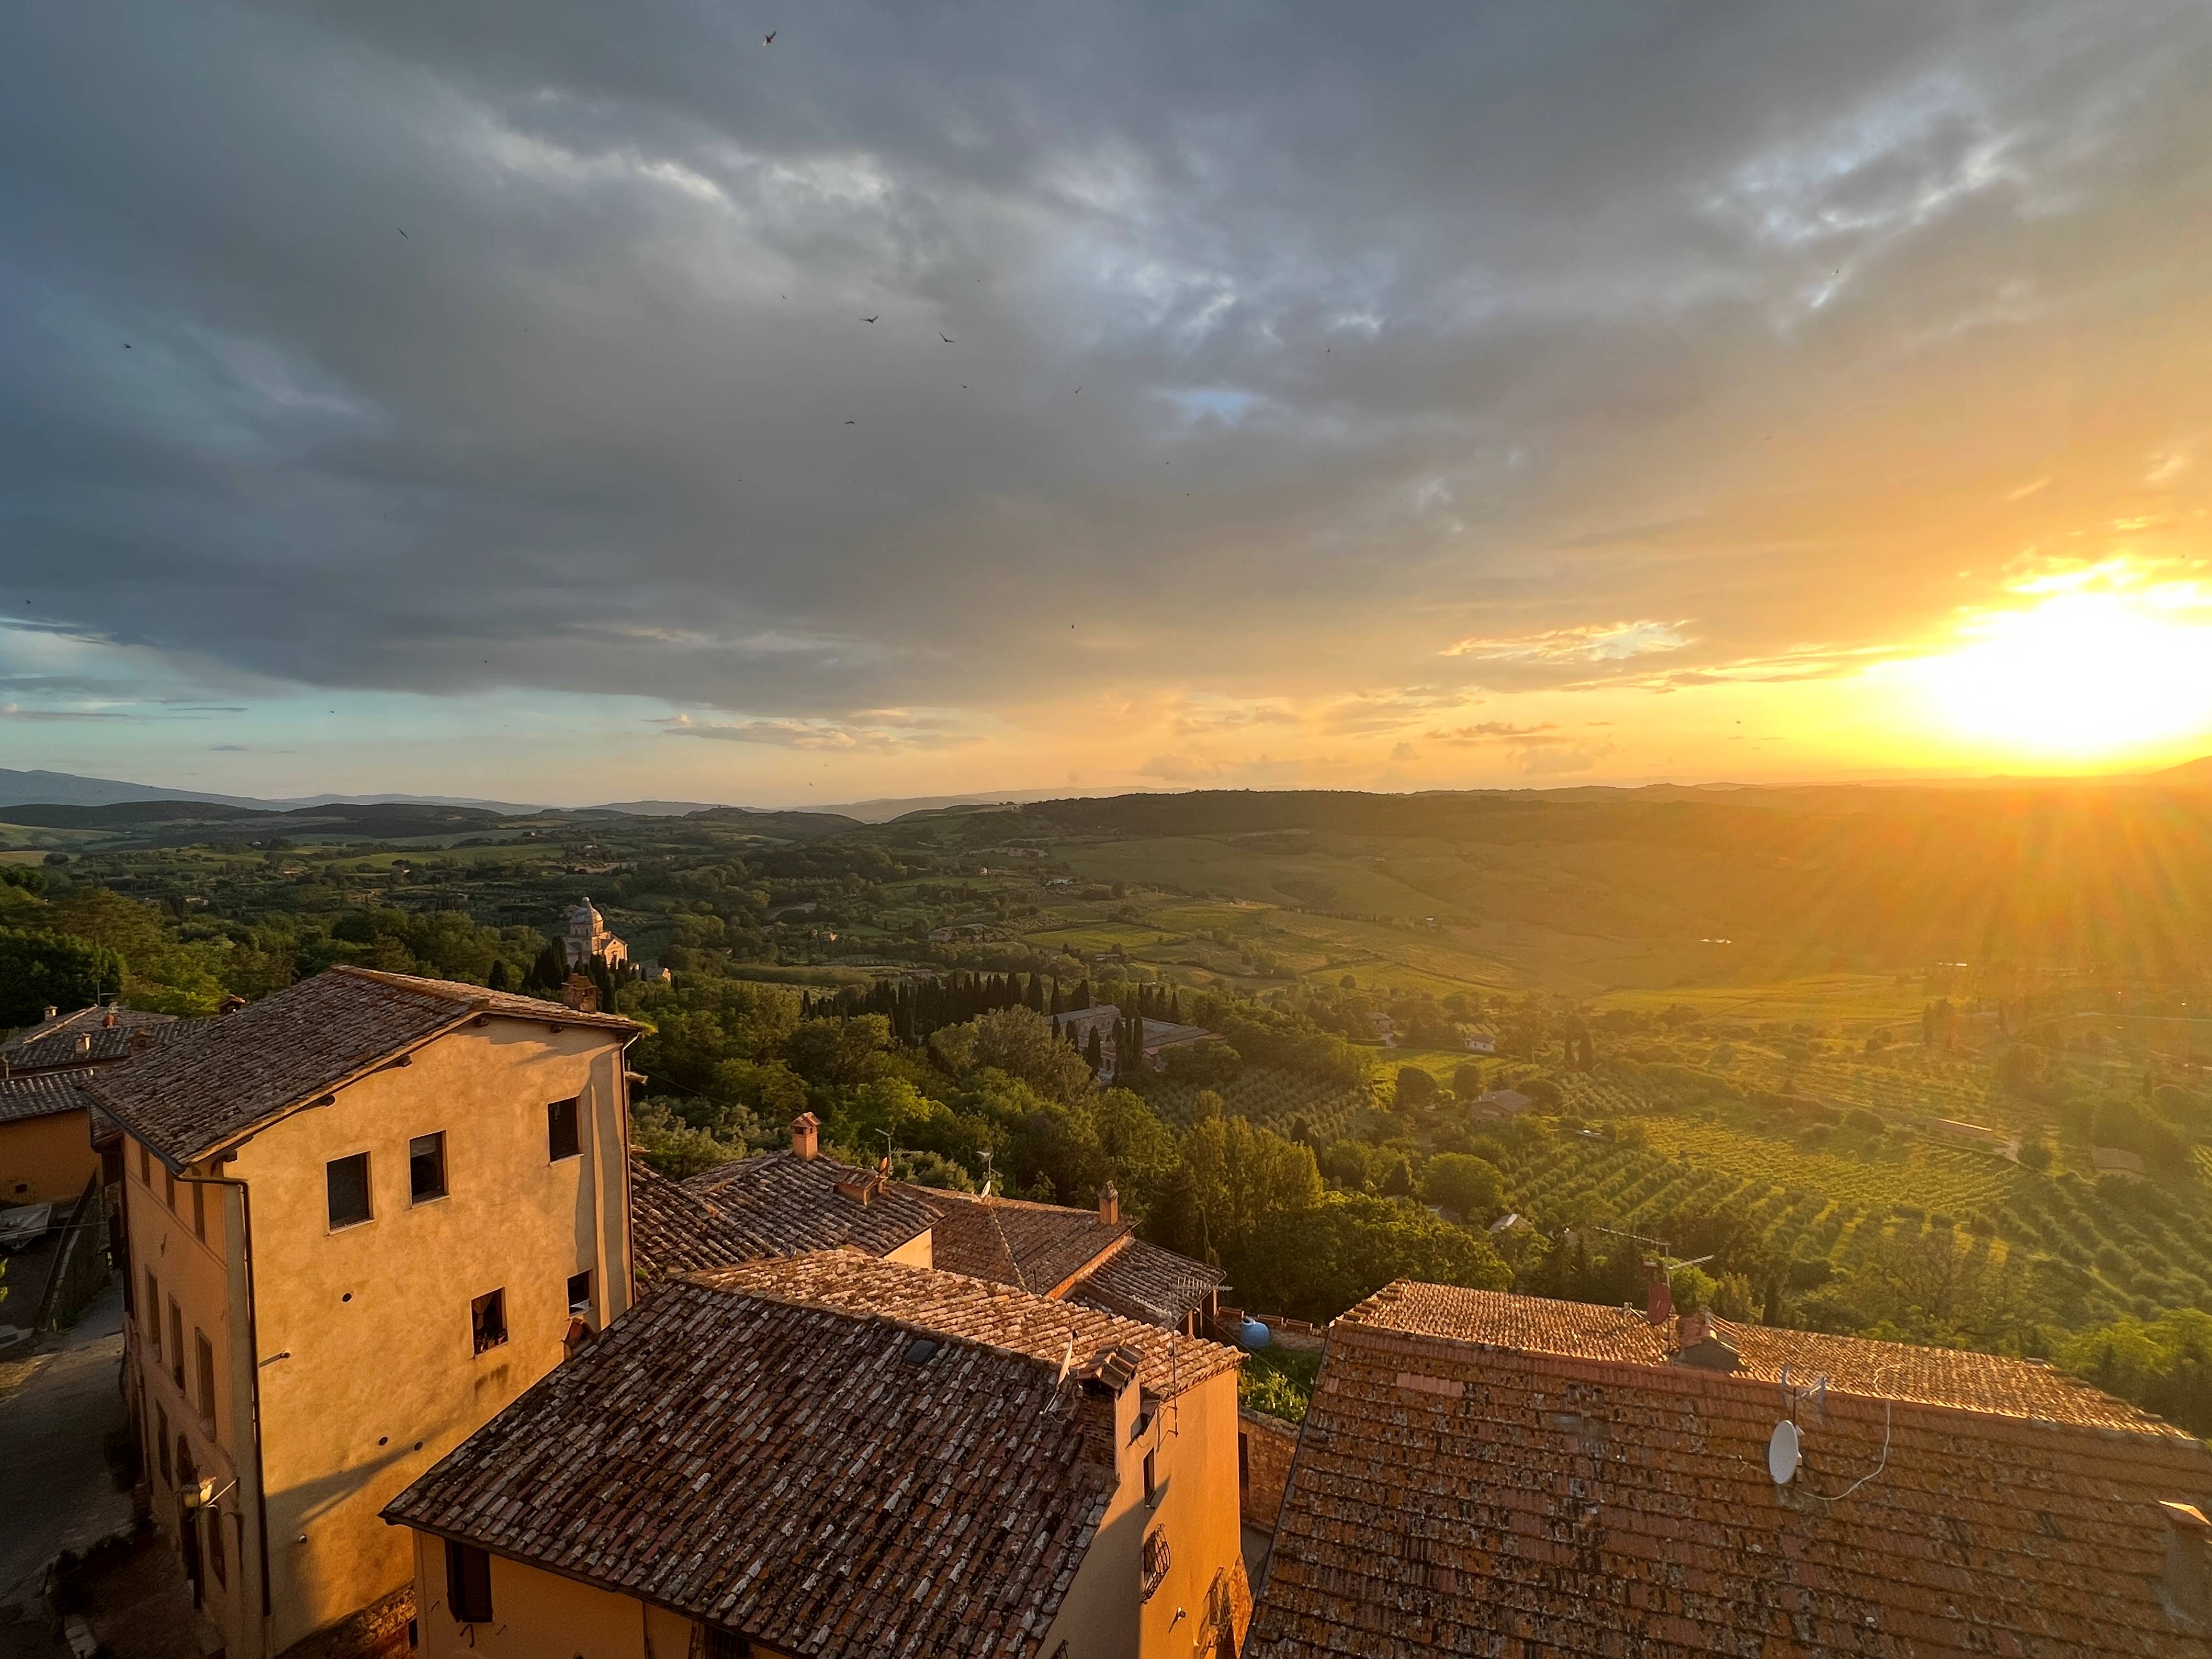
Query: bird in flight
769	39
852	423
947	339
403	232
871	320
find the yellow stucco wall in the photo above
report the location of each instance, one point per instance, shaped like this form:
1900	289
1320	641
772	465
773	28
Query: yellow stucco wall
45	1159
919	1251
1194	1441
536	1613
366	1365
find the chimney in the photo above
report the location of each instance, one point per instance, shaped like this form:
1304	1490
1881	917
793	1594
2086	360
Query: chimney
108	1020
805	1135
51	1011
1659	1296
140	1036
580	994
231	1004
1701	1342
1110	1205
2185	1591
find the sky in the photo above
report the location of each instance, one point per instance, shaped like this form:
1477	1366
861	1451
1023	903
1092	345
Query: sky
566	403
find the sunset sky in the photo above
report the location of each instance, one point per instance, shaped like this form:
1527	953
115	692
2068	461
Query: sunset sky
475	399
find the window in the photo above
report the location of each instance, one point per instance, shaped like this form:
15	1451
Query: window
216	1562
579	1292
176	1344
725	1644
145	1167
347	1179
199	1212
205	1353
1244	1461
560	1130
153	1314
468	1582
161	1442
425	1167
487	1319
1152	1478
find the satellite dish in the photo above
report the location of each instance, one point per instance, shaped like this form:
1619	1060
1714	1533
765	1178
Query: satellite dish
1782	1452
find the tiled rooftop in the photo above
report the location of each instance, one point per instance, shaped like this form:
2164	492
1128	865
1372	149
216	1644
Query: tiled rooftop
981	1311
1038	1247
672	1231
82	1038
1476	1477
781	1204
797	1474
42	1094
1141	1280
1891	1371
212	1079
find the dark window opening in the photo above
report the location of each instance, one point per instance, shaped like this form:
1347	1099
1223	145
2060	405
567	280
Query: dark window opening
200	1211
347	1181
425	1167
561	1139
1151	1477
725	1644
920	1350
145	1168
468	1583
169	1190
206	1357
487	1319
579	1292
153	1314
1243	1462
176	1344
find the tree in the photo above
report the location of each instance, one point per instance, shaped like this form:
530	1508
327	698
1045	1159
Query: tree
1232	1179
2164	1365
1019	1043
1458	1180
39	969
1417	1090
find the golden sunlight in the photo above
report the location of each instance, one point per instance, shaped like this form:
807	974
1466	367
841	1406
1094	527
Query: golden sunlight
2094	668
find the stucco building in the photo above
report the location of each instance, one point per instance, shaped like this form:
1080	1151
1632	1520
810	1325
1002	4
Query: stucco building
360	1216
47	1132
846	1457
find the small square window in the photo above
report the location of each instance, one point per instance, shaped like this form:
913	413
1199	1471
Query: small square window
580	1293
488	1320
468	1582
347	1182
561	1139
425	1167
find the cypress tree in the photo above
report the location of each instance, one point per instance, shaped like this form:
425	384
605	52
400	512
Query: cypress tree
497	980
1093	1054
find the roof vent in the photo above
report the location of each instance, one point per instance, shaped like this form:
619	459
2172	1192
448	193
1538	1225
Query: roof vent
2185	1590
84	1042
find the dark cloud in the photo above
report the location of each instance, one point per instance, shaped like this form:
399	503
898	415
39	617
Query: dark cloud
1506	347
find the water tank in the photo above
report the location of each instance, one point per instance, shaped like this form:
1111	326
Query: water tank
1254	1335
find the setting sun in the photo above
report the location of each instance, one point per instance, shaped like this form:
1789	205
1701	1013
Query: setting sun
2081	674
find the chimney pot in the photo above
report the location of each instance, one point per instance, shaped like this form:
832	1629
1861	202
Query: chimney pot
1109	1205
108	1019
580	994
51	1011
806	1135
2186	1534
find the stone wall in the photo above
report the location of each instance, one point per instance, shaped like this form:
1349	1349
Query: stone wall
1264	1448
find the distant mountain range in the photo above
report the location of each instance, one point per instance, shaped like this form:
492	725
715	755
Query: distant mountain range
22	789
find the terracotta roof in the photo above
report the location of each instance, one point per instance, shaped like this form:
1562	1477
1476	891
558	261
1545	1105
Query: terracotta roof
981	1311
213	1079
671	1231
42	1094
82	1038
1141	1280
1038	1247
781	1204
1881	1370
804	1476
1462	1493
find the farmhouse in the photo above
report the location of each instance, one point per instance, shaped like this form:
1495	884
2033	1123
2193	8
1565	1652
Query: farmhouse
47	1123
1502	1103
1484	1472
